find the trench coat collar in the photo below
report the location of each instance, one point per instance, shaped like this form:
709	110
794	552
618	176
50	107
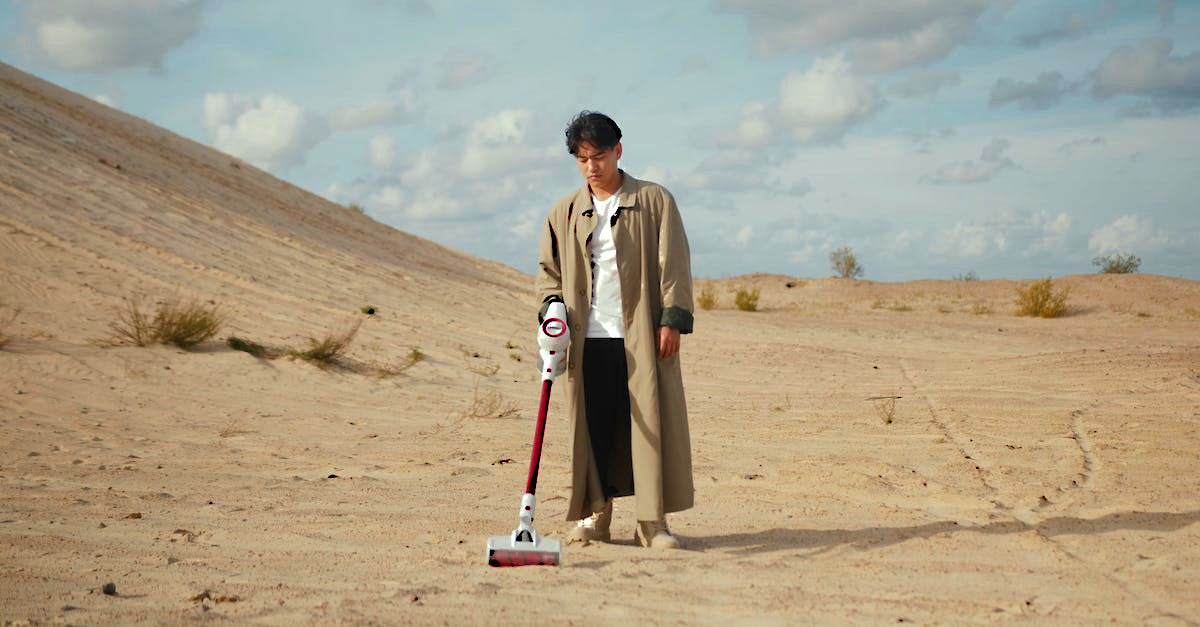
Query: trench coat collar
586	222
626	195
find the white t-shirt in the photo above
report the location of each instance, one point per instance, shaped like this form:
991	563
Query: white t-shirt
606	318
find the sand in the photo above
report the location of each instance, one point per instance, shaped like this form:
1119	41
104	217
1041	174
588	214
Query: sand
1032	470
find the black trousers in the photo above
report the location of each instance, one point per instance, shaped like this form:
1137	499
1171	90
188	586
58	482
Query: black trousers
606	400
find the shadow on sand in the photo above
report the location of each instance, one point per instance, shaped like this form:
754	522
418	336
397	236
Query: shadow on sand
822	540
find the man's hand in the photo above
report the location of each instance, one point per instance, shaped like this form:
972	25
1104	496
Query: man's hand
668	342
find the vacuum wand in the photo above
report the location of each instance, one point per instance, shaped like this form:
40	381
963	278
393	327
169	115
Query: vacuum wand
524	546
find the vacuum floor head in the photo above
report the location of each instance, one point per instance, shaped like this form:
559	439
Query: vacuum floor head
504	551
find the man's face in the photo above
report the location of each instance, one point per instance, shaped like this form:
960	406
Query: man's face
599	167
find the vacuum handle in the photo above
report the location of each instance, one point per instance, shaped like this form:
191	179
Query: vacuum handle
536	459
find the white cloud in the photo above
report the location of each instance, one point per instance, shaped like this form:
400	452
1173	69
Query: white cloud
970	241
742	170
805	244
105	100
820	105
655	173
528	223
755	128
903	241
878	36
495	144
1049	233
1127	233
421	170
471	177
437	207
382	151
271	132
1148	69
744	236
1043	93
85	35
992	162
387	197
400	110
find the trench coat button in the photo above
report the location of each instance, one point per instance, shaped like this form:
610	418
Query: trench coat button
582	292
570	365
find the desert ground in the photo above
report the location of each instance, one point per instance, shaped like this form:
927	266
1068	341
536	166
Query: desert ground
1029	470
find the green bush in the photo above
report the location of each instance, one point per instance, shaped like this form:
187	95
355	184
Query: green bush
1120	263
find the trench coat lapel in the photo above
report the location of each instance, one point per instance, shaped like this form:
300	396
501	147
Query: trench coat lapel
585	217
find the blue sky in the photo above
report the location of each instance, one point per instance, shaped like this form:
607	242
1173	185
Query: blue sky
935	137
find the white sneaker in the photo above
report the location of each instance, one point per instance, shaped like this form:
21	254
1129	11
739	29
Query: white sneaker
655	534
594	528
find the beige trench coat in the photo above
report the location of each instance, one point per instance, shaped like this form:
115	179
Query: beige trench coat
654	267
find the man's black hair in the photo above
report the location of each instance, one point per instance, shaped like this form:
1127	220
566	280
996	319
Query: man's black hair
594	128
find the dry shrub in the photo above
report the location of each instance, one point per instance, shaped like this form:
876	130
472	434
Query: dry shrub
133	326
328	349
707	299
232	428
489	404
845	264
182	324
486	368
415	356
885	407
1040	299
746	300
980	309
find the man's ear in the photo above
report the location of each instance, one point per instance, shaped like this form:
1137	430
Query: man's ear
617	151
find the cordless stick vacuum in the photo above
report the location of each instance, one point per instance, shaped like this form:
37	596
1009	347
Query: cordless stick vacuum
524	546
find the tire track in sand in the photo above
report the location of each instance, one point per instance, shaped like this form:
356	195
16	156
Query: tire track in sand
1090	464
954	436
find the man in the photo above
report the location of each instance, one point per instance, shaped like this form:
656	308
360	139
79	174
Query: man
616	253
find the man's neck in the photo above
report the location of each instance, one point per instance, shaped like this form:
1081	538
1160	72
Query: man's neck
604	191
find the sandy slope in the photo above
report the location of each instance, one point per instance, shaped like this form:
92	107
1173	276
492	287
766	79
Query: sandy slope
1034	470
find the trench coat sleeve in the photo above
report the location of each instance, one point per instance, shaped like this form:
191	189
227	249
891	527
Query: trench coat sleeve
549	276
674	269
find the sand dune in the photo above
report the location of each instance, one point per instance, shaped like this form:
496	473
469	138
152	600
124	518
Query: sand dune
1032	470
